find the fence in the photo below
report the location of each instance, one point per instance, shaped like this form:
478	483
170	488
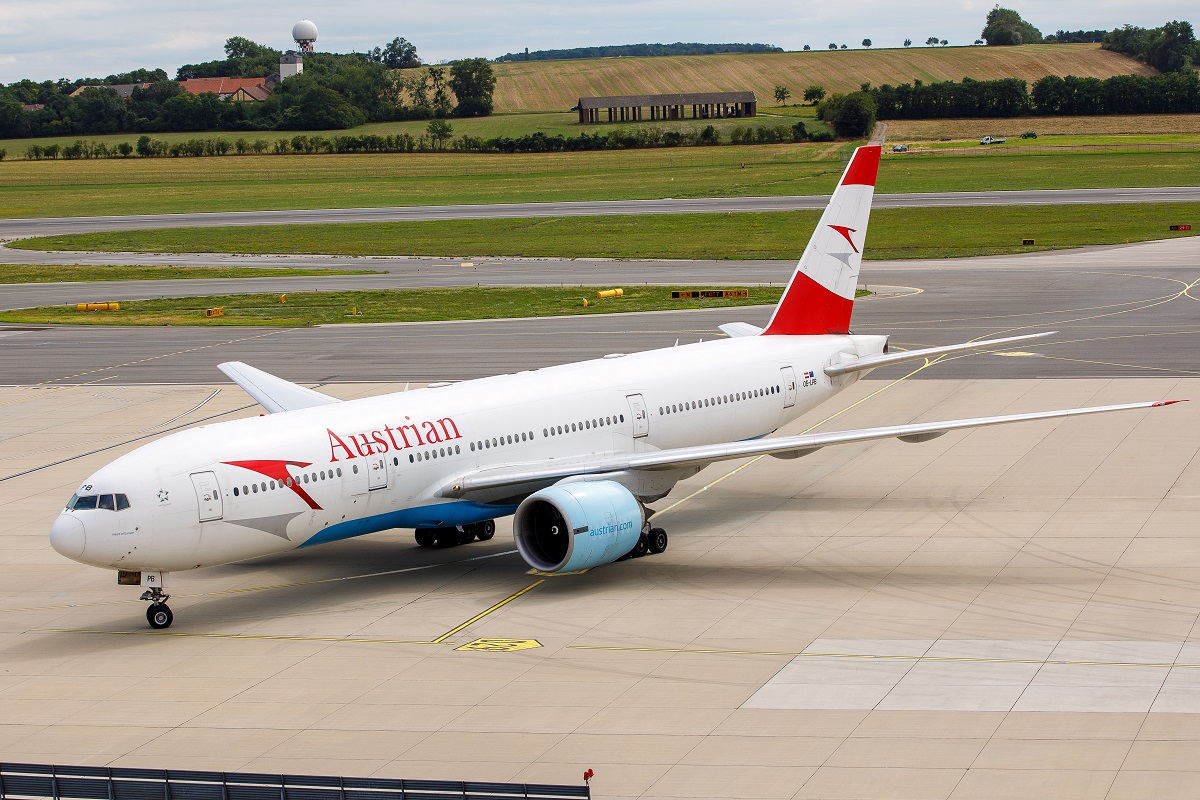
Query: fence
38	781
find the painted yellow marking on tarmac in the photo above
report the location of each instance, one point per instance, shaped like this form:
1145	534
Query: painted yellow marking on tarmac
880	657
467	264
1016	354
541	574
269	637
485	612
500	645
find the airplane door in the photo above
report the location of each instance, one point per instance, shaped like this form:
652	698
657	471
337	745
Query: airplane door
376	472
641	420
789	386
208	495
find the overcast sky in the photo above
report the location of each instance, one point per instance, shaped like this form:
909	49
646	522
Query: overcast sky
46	39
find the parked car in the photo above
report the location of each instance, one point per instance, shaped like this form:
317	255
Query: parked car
899	148
990	140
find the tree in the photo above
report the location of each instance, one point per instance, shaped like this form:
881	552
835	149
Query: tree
814	94
908	42
782	94
843	47
440	132
866	42
932	40
806	47
399	53
945	42
851	115
473	82
1171	47
1005	27
833	46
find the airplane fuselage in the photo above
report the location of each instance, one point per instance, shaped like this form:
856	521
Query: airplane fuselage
250	487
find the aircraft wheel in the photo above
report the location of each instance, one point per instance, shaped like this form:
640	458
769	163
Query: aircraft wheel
658	541
640	549
466	535
448	537
485	530
426	537
159	616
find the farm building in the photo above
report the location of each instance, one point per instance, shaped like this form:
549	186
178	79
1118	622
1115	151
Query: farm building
632	108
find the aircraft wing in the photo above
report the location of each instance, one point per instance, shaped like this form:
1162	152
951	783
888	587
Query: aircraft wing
781	447
272	393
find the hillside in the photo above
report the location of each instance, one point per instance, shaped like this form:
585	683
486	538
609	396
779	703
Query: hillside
544	85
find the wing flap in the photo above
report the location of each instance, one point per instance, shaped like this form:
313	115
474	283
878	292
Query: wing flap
272	393
785	446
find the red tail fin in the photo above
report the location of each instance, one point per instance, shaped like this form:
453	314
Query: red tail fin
820	297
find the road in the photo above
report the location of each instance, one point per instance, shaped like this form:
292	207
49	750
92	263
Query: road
1122	311
18	228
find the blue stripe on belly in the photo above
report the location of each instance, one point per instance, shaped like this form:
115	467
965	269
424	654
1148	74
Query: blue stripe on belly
438	515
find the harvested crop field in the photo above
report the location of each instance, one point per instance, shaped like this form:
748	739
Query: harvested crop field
934	129
539	85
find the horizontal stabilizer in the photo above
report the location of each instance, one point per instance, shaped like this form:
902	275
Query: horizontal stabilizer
683	458
736	330
871	362
272	393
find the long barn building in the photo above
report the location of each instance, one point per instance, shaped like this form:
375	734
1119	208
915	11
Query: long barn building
637	107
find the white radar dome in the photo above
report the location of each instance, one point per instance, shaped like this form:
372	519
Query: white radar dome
304	31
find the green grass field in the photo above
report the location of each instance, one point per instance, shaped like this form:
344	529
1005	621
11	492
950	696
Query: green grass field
894	233
144	186
69	273
410	305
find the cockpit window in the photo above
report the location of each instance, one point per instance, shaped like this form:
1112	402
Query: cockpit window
103	502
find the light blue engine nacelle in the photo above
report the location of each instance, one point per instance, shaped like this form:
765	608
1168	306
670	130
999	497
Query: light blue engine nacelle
577	525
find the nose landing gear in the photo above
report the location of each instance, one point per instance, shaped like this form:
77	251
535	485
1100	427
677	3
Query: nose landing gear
159	613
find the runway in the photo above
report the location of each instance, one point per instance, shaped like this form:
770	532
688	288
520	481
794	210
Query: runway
18	228
1121	311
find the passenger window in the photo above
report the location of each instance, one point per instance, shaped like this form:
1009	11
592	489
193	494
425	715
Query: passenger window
122	502
236	492
107	503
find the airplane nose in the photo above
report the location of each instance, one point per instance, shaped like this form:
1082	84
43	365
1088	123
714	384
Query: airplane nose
66	536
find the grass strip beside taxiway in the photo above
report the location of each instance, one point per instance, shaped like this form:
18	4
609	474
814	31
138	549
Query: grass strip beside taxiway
894	234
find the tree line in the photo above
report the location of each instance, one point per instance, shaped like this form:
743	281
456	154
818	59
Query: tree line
1168	93
335	91
437	137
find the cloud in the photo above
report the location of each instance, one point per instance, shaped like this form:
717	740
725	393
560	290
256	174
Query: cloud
73	38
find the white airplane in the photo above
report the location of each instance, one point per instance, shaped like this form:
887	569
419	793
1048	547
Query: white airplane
574	451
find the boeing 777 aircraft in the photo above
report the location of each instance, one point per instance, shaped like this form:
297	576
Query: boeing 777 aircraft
574	451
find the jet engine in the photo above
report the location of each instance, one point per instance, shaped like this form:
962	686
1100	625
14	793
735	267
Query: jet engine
575	526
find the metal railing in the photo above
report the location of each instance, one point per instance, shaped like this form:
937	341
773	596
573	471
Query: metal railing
38	781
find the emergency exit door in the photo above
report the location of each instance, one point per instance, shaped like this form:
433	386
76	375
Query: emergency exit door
641	420
208	496
789	386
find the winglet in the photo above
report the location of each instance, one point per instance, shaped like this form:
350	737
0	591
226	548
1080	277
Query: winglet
820	297
272	393
1161	403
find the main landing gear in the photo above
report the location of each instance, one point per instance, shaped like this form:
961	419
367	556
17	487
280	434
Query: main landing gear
159	613
452	537
652	542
